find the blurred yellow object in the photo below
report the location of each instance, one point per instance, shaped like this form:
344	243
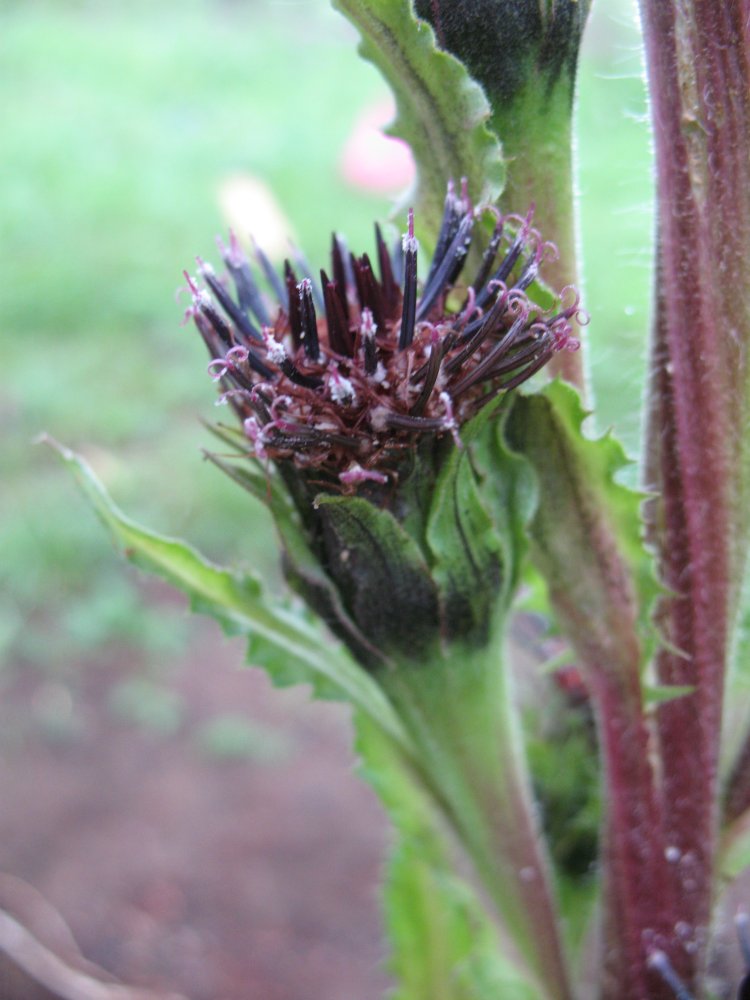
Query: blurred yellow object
250	208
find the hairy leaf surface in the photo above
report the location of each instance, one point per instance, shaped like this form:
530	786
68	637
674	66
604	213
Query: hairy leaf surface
287	643
442	111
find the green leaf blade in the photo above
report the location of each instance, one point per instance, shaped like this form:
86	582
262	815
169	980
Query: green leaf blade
289	645
587	532
442	111
466	551
381	571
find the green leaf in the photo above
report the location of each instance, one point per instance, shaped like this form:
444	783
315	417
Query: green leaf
444	945
735	730
587	531
382	575
302	569
291	647
466	549
510	490
658	694
441	111
263	488
734	851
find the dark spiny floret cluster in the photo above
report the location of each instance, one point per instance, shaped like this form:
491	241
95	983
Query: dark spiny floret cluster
342	376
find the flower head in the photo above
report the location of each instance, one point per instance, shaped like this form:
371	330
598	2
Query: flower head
357	389
340	379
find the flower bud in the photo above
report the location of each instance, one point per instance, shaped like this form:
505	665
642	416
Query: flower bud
357	395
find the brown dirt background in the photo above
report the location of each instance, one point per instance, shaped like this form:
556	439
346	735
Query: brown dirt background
223	879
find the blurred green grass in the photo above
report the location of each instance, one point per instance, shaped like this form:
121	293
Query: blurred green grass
120	123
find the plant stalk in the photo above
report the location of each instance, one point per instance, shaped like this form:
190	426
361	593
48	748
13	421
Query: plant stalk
587	548
698	65
459	713
525	57
538	144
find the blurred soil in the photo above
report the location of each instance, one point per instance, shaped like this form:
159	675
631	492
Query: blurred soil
177	862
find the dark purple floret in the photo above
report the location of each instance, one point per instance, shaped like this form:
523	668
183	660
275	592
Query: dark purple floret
308	319
341	380
409	305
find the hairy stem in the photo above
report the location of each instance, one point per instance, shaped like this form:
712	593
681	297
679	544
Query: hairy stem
460	715
636	887
584	541
697	59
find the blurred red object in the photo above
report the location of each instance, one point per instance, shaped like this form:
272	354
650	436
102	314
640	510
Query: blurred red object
372	160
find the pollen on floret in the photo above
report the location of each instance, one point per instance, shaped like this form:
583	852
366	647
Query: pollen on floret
449	421
254	432
340	389
367	327
276	353
355	474
371	359
201	296
409	242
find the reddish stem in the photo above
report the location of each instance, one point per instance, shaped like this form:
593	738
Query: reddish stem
638	904
638	913
697	57
590	585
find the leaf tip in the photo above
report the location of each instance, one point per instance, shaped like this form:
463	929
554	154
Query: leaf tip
62	450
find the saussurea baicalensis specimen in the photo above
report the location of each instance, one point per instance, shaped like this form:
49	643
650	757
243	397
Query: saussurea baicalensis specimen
341	383
339	378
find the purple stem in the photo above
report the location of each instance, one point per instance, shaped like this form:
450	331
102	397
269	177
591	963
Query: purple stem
575	547
638	902
637	893
697	60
